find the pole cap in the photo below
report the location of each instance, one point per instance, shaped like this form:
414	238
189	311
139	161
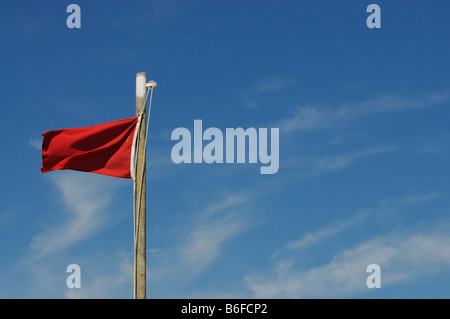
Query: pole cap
151	84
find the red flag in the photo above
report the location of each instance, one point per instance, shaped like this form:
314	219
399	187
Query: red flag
103	149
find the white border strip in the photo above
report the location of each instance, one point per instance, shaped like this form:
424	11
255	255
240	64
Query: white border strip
133	148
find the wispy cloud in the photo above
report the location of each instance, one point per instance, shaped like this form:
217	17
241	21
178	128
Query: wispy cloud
205	241
231	200
269	85
311	238
362	216
318	165
35	143
407	200
105	278
439	145
263	87
401	258
334	163
310	118
86	197
402	255
346	138
217	224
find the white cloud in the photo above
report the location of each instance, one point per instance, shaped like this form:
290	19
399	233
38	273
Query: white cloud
217	223
35	143
389	205
334	163
436	146
112	278
270	85
309	118
263	87
331	163
231	200
401	258
345	138
407	200
86	197
200	244
206	240
325	232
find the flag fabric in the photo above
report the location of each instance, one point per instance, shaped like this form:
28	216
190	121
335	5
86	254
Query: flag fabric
106	149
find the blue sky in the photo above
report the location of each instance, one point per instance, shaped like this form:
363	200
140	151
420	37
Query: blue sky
364	148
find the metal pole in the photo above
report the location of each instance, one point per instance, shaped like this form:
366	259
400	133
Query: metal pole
140	249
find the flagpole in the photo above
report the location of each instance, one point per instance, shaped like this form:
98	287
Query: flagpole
140	179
